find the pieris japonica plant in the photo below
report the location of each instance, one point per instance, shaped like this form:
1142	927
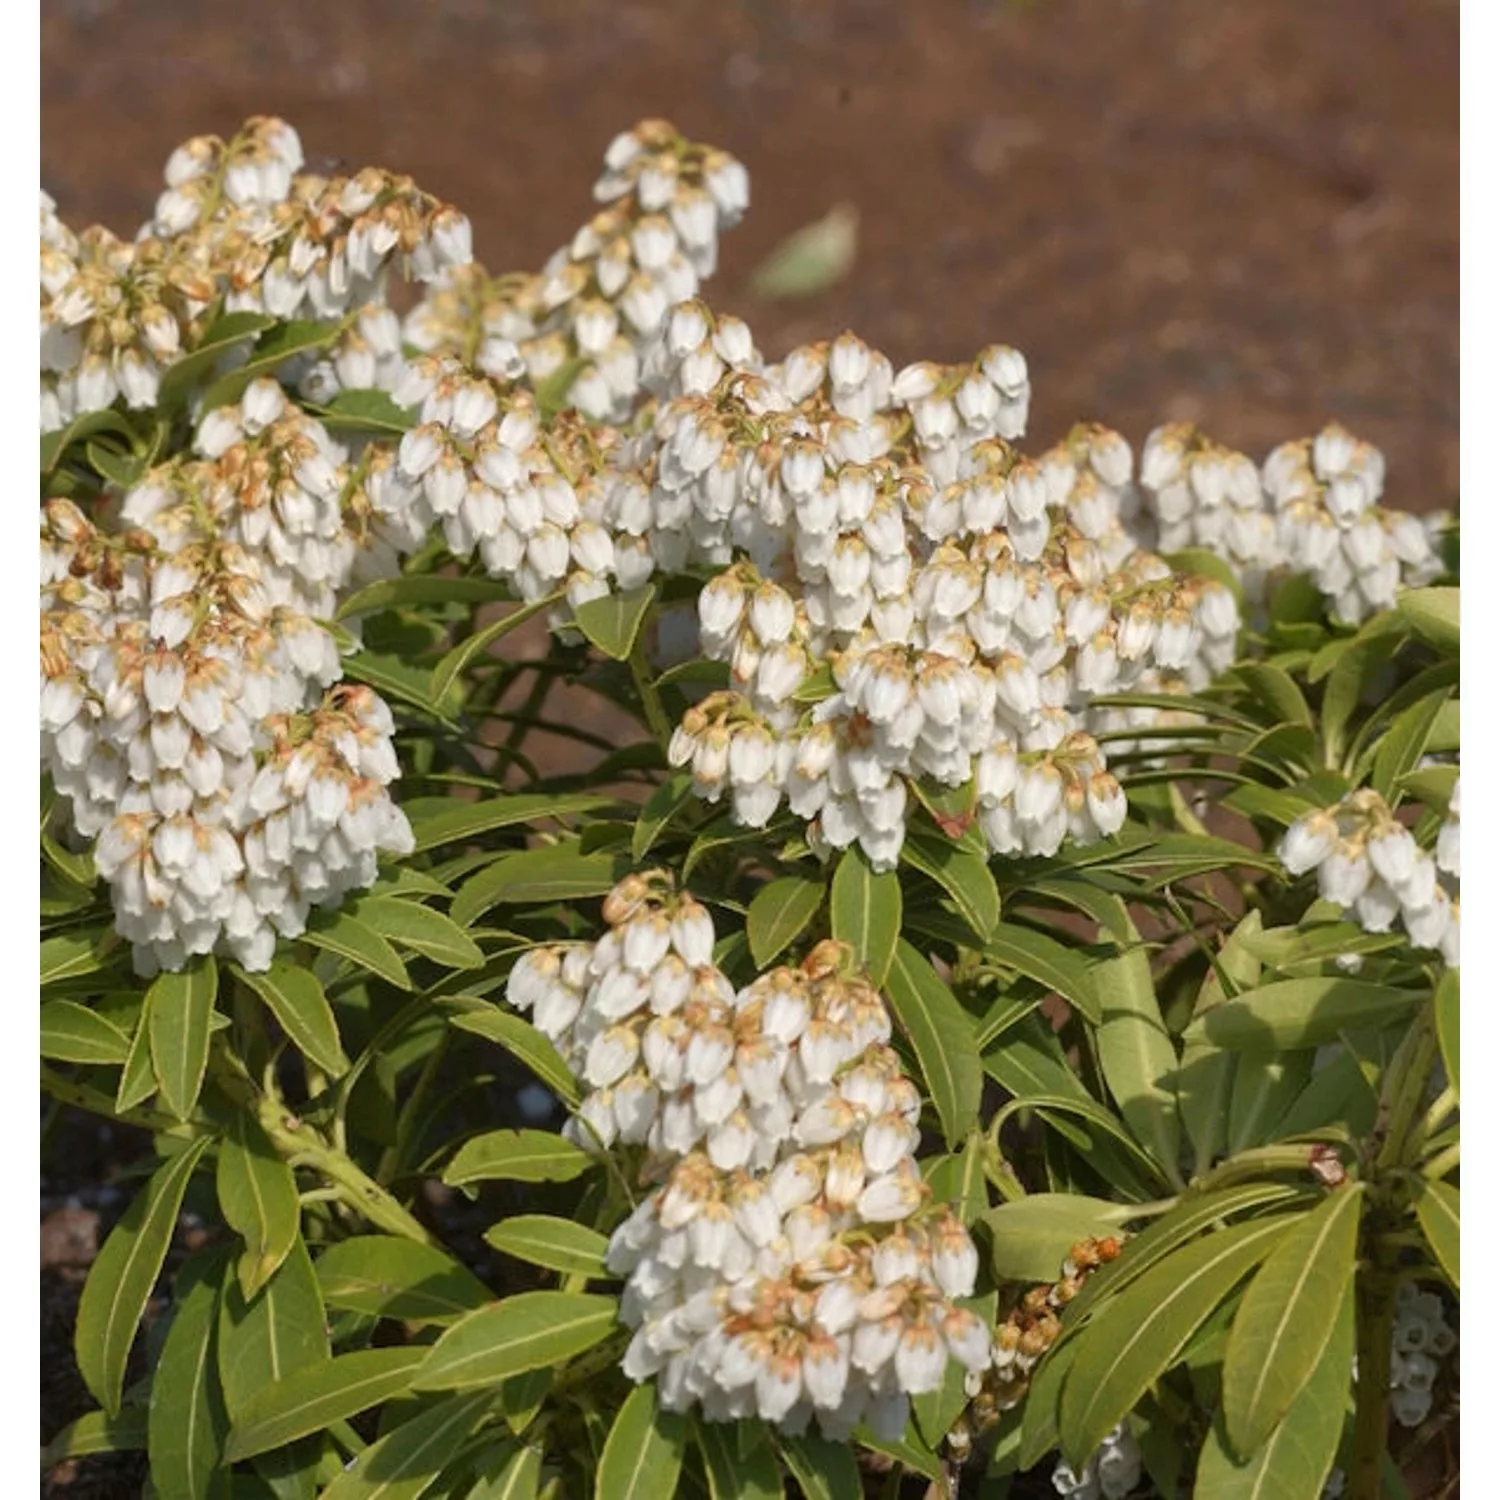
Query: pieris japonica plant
702	923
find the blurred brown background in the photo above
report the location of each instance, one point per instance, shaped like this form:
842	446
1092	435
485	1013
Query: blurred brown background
1243	214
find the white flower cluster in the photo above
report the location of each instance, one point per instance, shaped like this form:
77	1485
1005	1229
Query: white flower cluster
1371	865
188	706
791	1264
238	228
1313	509
600	302
1111	1474
1420	1338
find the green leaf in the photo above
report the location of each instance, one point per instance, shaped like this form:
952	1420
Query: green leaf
460	821
1292	1013
811	259
453	665
421	588
295	997
56	444
521	1397
1433	613
421	929
1136	1055
557	1244
272	350
1266	1084
342	933
779	913
1347	683
732	1473
121	471
1204	562
959	1179
98	1432
72	955
557	872
73	1033
824	1470
263	1339
531	1331
908	1451
1032	1235
1294	1461
1445	1013
613	622
1437	1213
258	1196
942	1036
406	1462
1286	1318
226	331
517	1156
1043	1395
1275	688
642	1455
1404	741
383	1276
518	1480
661	807
365	411
178	1015
137	1081
314	1397
1337	1094
187	1423
865	912
1140	1331
121	1279
963	873
1048	962
524	1042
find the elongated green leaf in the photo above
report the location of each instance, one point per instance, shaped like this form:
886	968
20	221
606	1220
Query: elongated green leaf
1276	689
557	872
314	1397
1032	1235
734	1474
958	1180
1437	1213
71	955
258	1196
1405	739
137	1081
421	929
1294	1461
1292	1013
1445	1013
121	1279
1136	1055
459	821
98	1432
225	332
643	1453
527	1332
178	1016
557	1244
1337	1094
810	259
265	1338
1103	1130
942	1036
1140	1331
779	913
342	933
522	1396
1433	613
1183	1224
865	912
188	1423
386	1277
1286	1318
823	1470
272	350
1039	1420
661	807
517	1156
523	1041
613	622
295	997
407	1460
73	1033
55	444
518	1480
1265	1086
1045	960
364	410
421	588
453	665
908	1451
963	873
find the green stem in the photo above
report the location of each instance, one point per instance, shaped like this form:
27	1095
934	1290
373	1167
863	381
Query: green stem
656	716
1376	1292
1257	1162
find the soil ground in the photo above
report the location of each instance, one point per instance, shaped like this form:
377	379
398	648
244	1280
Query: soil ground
1243	215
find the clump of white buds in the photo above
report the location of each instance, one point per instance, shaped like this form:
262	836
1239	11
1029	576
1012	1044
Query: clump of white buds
1112	1473
1421	1339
